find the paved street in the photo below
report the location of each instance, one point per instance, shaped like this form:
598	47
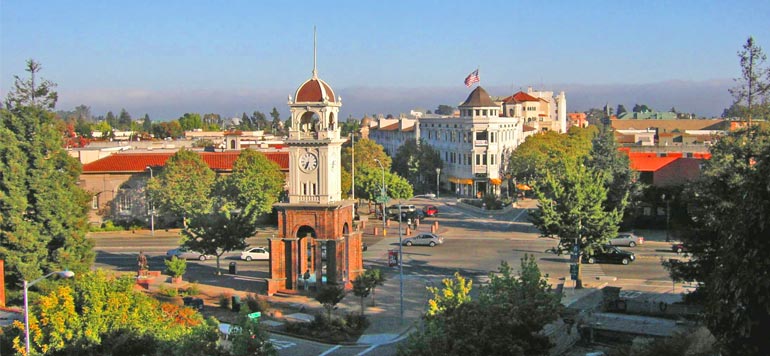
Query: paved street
475	243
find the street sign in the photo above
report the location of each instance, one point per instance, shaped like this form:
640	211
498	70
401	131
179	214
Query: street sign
573	271
255	315
392	258
382	199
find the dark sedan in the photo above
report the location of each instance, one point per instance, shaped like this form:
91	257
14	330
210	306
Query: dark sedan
610	254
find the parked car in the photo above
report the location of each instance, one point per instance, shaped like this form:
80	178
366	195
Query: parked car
627	239
430	210
678	248
423	239
186	254
255	253
610	253
393	209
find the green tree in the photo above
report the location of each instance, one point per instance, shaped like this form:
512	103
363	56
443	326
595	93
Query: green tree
571	206
182	188
212	122
726	235
259	120
32	93
615	167
455	293
42	209
445	110
367	152
124	120
540	153
111	120
374	278
256	180
86	317
329	296
277	124
505	320
754	84
620	110
251	339
190	121
361	289
417	163
147	124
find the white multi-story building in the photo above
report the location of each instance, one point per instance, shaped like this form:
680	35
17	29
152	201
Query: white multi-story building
475	146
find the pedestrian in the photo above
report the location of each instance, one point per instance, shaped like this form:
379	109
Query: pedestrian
306	277
141	261
416	222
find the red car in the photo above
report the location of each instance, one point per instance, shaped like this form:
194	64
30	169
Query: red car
430	210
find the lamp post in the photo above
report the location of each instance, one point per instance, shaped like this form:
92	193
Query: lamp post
382	195
438	174
400	266
152	210
668	215
62	274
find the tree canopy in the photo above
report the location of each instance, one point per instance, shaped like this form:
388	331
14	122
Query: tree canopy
533	158
43	212
93	313
727	236
183	185
506	319
752	88
417	163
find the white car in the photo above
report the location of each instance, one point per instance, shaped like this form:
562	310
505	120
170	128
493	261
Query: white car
627	239
255	253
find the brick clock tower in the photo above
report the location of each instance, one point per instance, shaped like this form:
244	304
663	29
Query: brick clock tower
315	228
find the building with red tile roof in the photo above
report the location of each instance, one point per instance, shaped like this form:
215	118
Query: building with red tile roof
118	181
668	168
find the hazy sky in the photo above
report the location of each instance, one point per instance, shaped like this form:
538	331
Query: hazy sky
170	57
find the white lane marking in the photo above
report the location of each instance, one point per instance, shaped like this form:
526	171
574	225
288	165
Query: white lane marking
329	351
368	350
518	216
281	344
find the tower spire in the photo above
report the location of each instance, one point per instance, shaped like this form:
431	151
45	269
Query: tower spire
315	71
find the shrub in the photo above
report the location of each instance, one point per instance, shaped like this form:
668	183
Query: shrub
224	300
255	303
176	266
357	321
193	289
167	291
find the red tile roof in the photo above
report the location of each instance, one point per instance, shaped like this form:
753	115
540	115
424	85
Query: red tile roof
649	162
520	97
138	162
527	128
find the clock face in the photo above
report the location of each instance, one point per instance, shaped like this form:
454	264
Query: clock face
308	162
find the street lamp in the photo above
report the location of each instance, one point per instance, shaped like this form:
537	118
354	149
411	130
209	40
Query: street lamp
62	274
438	173
400	265
152	210
383	193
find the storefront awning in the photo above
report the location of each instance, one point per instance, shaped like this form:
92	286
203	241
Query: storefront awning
454	180
495	181
466	181
522	186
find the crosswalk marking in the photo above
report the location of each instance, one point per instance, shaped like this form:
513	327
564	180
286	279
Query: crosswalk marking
281	344
593	271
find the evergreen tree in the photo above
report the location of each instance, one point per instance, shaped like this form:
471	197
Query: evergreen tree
727	236
277	124
754	85
147	124
43	212
124	120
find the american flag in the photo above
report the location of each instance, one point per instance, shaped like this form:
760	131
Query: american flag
472	78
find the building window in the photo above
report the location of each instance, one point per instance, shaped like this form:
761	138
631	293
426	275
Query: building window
315	189
484	112
95	202
484	156
124	201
